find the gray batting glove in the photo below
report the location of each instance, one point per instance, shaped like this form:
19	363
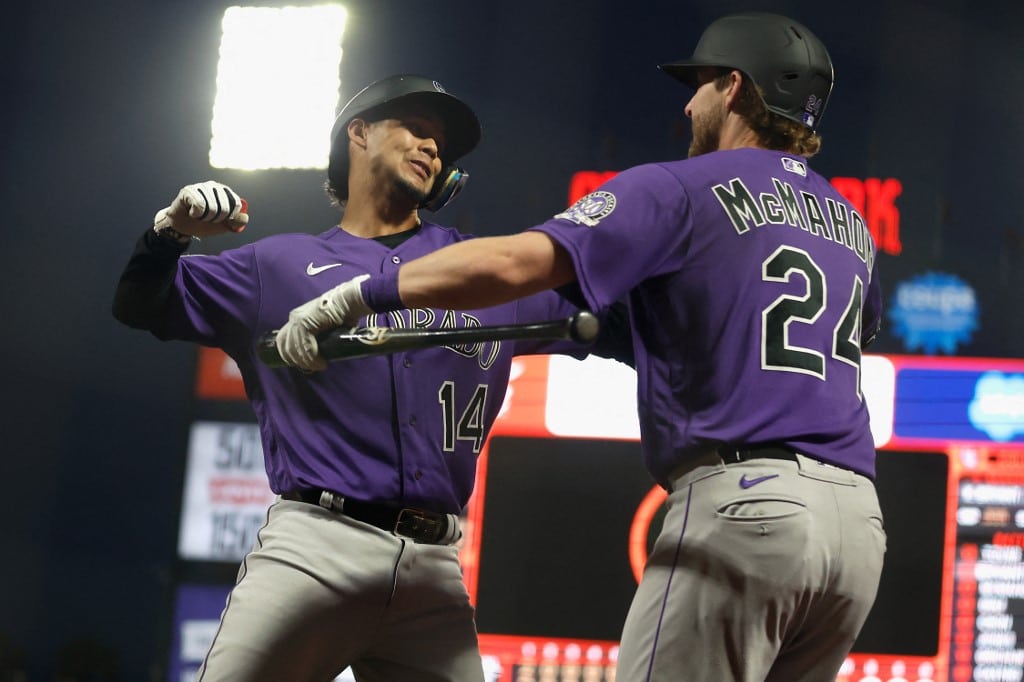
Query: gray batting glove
341	306
200	210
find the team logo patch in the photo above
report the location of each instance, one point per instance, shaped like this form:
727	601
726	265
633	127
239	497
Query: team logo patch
794	166
812	110
591	209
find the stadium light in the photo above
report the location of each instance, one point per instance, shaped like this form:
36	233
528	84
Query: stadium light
278	86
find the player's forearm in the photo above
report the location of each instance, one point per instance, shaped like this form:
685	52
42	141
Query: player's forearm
483	272
478	273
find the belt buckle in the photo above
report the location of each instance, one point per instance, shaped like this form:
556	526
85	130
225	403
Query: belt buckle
732	454
417	526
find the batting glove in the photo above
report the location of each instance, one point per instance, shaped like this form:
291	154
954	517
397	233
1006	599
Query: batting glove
200	210
341	306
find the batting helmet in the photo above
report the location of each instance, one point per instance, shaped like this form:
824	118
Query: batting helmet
461	130
781	56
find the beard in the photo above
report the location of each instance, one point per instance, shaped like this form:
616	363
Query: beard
406	188
707	132
401	189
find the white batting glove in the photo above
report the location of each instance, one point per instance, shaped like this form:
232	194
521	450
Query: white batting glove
200	210
341	306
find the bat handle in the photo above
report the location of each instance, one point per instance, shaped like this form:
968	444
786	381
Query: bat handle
266	350
330	346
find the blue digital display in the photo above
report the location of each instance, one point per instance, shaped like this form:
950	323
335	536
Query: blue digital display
959	405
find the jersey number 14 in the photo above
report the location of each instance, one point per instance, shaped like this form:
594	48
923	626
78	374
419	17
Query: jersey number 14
467	424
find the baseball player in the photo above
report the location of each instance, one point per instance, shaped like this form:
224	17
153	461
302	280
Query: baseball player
373	459
752	288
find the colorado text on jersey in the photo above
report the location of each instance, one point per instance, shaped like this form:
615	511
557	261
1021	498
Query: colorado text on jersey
485	352
838	223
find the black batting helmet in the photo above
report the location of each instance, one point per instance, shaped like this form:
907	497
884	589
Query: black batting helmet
779	55
461	126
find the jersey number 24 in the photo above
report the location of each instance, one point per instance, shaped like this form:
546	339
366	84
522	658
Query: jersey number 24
777	353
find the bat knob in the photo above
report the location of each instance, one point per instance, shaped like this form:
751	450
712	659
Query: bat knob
584	327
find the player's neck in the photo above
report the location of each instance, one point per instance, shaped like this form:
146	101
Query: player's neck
735	134
367	219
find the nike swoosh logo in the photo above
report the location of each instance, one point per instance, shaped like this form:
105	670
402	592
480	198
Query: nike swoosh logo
751	482
316	270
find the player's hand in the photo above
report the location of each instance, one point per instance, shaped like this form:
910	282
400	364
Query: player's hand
341	306
203	209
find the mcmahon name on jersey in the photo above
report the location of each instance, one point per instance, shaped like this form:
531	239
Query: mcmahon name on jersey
835	222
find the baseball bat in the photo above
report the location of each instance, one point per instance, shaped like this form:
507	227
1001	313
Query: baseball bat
360	342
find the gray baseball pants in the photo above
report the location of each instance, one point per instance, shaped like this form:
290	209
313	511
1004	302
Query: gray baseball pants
321	591
770	580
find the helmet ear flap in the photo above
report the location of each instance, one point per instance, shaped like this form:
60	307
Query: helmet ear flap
448	184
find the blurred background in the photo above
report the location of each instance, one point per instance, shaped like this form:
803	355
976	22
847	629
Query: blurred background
106	115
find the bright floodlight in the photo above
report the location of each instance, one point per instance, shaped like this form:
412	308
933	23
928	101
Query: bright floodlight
277	87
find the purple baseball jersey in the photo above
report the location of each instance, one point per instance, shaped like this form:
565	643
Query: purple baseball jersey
404	428
751	283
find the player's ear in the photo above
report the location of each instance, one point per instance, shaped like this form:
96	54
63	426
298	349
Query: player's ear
358	130
732	89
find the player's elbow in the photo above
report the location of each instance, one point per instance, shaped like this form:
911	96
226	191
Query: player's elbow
532	261
128	317
131	312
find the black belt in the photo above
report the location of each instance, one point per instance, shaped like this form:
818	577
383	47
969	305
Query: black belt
742	453
419	525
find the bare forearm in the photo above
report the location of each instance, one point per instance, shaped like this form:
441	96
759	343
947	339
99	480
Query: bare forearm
483	272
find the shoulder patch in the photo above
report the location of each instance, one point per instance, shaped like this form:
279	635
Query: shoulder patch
591	209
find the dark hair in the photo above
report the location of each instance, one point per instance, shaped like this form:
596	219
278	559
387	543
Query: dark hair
773	131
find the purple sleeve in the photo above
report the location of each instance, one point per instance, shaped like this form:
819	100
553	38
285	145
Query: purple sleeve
215	299
633	227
